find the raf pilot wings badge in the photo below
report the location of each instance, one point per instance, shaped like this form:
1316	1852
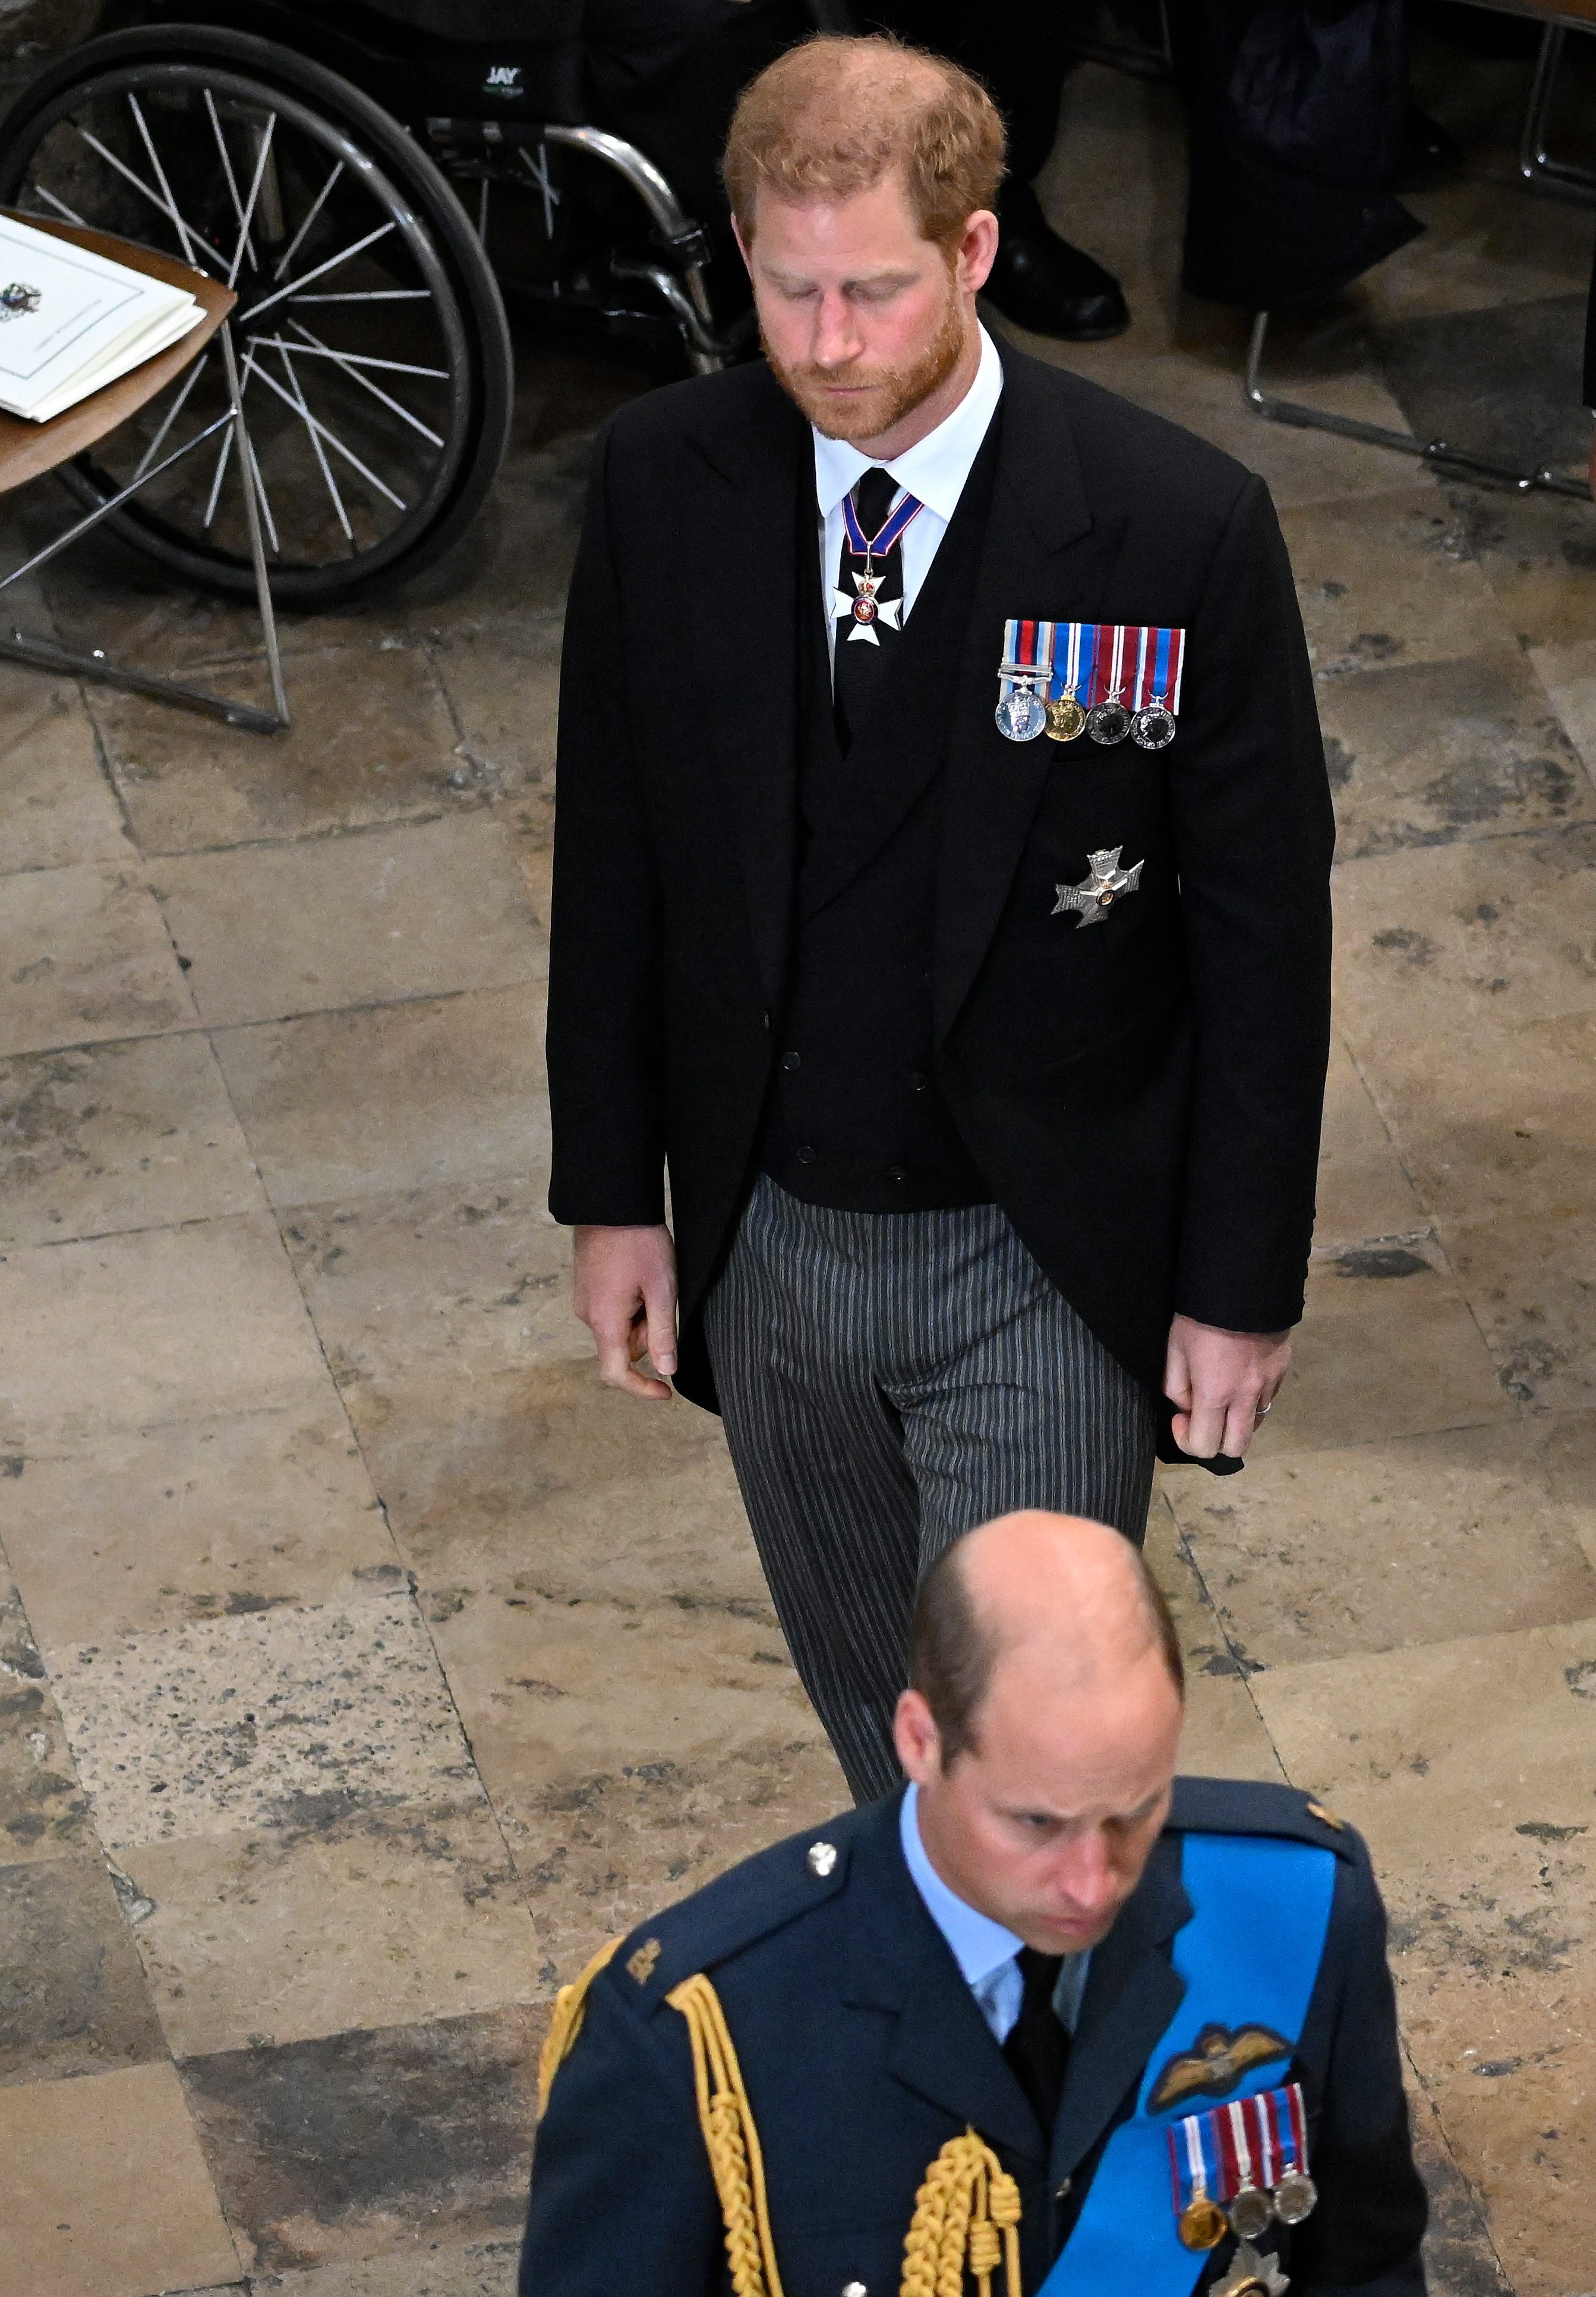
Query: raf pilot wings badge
1216	2064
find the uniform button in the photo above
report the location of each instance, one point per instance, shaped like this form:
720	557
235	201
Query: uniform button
790	1061
1059	2191
767	1020
897	1172
916	1081
806	1155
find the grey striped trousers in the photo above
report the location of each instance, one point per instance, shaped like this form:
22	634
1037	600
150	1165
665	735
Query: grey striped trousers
888	1380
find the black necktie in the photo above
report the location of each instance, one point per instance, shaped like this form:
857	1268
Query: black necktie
1038	2047
864	647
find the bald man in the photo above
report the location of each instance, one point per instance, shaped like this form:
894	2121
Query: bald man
1049	2012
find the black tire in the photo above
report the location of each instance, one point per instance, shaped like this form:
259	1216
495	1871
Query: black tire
208	87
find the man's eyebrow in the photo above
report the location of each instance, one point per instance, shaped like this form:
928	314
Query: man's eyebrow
863	279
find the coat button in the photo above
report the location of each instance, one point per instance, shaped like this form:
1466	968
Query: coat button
918	1081
790	1061
1060	2191
805	1156
897	1172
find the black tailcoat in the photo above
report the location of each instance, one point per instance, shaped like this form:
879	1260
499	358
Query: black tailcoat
1142	1095
863	2052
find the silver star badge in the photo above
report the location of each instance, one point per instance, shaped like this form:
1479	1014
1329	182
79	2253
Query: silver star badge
867	609
1251	2276
1104	885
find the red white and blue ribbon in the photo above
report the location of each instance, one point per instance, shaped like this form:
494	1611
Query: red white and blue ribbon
876	546
1160	660
1028	650
1254	2141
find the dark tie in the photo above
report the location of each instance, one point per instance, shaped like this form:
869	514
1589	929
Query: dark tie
1038	2047
864	649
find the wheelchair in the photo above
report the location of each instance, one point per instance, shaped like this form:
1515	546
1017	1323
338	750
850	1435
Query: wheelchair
375	180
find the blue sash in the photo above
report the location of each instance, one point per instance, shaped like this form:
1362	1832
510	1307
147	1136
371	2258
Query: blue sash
1249	1956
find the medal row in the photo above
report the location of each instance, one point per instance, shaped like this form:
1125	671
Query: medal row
1103	680
1240	2167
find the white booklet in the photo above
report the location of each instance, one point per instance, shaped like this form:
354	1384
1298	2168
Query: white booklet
70	321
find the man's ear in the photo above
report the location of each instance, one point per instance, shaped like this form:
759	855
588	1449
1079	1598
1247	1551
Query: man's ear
916	1738
977	251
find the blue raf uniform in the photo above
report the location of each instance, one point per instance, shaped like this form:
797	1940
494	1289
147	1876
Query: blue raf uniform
1250	1958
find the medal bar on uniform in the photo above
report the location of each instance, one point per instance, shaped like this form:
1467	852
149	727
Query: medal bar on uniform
1107	679
1238	2166
1028	649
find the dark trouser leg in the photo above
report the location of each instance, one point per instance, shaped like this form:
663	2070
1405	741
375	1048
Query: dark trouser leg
820	1461
887	1383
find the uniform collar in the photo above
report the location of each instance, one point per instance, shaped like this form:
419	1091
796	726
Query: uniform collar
979	1946
936	469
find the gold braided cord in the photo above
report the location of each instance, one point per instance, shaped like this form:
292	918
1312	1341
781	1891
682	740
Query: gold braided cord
570	2004
736	2161
968	2209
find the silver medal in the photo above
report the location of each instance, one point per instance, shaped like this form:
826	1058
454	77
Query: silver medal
1020	714
1108	722
1154	728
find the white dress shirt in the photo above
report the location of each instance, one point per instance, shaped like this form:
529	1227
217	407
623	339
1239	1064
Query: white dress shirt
984	1950
934	473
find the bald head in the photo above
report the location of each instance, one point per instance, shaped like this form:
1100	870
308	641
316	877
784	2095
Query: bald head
1041	1724
1055	1595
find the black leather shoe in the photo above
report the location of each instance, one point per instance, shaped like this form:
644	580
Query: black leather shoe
1044	284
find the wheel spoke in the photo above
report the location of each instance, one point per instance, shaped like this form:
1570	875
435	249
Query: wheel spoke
139	185
344	255
315	445
226	160
334	440
188	235
260	495
315	209
316	349
243	220
346	358
173	412
223	453
373	295
61	207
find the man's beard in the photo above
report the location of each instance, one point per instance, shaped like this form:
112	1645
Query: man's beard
886	394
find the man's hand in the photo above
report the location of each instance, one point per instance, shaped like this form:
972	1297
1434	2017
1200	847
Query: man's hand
624	1290
1221	1384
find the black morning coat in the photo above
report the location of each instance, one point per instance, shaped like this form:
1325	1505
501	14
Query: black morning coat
862	2052
1142	1095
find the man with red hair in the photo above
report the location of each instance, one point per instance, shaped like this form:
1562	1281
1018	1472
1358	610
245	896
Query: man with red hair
984	1048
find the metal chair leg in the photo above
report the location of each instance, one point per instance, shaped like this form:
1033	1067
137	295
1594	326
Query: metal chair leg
1539	171
252	480
1299	418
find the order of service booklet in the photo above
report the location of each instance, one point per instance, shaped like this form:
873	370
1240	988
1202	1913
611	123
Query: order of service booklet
71	321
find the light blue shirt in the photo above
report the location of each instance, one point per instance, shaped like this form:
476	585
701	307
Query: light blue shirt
984	1950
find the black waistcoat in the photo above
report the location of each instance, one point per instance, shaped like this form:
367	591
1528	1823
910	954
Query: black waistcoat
856	1120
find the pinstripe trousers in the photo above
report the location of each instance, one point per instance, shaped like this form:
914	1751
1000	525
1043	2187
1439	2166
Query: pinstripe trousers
887	1381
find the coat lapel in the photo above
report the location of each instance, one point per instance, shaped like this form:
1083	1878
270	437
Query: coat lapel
1042	556
899	1961
1133	1993
742	570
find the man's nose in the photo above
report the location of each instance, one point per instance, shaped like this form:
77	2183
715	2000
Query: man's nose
1085	1872
836	333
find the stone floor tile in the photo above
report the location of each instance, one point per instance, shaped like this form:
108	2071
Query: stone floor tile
412	911
56	806
505	698
167	1324
1568	674
1499	1123
1387	1347
547	1476
1508	393
72	1995
632	1748
1460	2258
1312	1555
372	741
428	2268
1478	251
439	1282
1363	1189
1428	943
132	1135
341	1917
1568	1442
365	1102
44	1812
1223	1736
104	2190
1429	752
1384	580
1536	551
362	2145
1531	1282
220	1726
84	956
197	1519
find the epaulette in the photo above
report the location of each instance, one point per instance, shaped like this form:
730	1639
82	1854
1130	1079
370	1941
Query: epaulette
748	1903
1261	1807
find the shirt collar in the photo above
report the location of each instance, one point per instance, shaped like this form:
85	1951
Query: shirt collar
979	1945
936	469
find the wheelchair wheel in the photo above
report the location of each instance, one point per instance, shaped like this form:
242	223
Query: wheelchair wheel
372	352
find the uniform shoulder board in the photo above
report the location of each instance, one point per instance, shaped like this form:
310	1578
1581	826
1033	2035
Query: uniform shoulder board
747	1903
1260	1807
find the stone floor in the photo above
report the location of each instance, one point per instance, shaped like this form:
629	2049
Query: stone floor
363	1664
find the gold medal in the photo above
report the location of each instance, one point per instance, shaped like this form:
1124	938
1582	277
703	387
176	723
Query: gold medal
1202	2224
1067	720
